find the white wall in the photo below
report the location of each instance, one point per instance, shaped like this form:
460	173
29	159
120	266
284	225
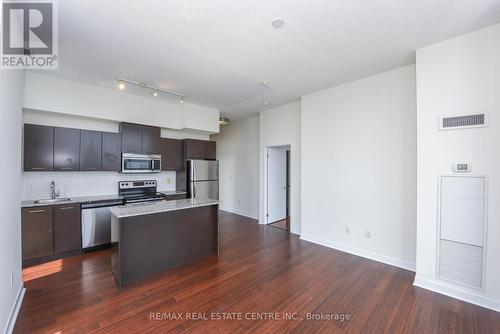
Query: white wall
36	185
238	155
280	126
11	90
62	96
359	167
41	117
458	76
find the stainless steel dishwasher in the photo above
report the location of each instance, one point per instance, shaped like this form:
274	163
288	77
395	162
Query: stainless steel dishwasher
96	224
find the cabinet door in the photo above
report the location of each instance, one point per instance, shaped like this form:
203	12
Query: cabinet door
66	149
171	154
38	147
67	229
194	149
151	140
90	150
210	150
131	138
111	152
37	232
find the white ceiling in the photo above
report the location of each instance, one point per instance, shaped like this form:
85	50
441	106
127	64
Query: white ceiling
216	52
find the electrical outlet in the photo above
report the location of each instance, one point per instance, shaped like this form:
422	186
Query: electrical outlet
347	230
11	279
368	234
169	180
239	202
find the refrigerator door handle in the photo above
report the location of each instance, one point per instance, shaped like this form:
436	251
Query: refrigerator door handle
194	191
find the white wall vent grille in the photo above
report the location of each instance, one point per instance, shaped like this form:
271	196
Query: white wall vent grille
463	122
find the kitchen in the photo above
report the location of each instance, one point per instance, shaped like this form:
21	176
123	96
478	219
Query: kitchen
61	226
332	164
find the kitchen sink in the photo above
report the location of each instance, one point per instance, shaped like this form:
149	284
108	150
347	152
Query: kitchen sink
52	201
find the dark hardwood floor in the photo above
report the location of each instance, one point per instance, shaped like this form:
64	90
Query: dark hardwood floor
282	224
260	269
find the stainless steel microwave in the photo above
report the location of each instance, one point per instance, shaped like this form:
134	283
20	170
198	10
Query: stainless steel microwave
141	163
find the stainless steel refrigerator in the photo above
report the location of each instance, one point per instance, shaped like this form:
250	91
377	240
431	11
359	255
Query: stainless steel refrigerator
203	179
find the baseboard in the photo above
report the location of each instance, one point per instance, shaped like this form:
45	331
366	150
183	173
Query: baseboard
11	322
244	214
476	298
361	252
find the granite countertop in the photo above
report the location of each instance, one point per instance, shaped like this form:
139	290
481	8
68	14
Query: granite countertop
90	199
139	209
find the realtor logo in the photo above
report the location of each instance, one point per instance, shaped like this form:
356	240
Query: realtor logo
29	35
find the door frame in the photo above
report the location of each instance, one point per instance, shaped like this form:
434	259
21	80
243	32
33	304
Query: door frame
266	181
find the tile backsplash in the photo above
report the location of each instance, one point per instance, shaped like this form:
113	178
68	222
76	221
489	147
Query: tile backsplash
73	184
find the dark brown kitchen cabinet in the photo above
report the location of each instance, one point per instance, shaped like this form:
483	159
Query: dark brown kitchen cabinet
194	149
199	149
131	138
37	232
151	140
171	154
111	152
67	228
140	139
210	150
38	148
90	150
66	149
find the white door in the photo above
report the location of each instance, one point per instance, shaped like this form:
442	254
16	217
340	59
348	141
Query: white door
276	184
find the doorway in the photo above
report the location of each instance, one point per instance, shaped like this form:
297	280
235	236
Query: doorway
278	187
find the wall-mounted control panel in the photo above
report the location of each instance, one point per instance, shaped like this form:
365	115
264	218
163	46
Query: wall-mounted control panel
462	167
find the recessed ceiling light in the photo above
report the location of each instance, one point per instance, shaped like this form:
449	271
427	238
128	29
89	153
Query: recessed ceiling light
182	100
155	93
264	83
265	104
121	85
278	23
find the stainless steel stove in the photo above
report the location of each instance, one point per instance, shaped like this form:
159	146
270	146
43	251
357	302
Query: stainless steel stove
139	191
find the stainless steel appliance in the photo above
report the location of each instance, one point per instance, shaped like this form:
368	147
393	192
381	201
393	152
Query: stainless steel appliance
203	179
141	163
96	223
96	217
139	191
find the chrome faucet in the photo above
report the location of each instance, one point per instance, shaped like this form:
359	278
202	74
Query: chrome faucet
53	193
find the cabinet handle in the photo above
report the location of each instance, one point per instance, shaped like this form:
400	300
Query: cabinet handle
66	168
90	168
50	231
67	208
38	168
36	211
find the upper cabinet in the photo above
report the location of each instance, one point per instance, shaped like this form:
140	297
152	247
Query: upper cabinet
38	148
131	138
66	149
151	140
140	139
111	152
90	150
171	154
199	149
210	150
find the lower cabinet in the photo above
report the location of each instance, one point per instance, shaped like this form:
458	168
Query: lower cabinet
37	232
67	228
50	230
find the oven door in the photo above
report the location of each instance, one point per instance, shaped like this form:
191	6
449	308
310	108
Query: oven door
134	163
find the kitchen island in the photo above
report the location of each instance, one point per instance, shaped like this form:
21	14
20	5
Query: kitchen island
149	238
